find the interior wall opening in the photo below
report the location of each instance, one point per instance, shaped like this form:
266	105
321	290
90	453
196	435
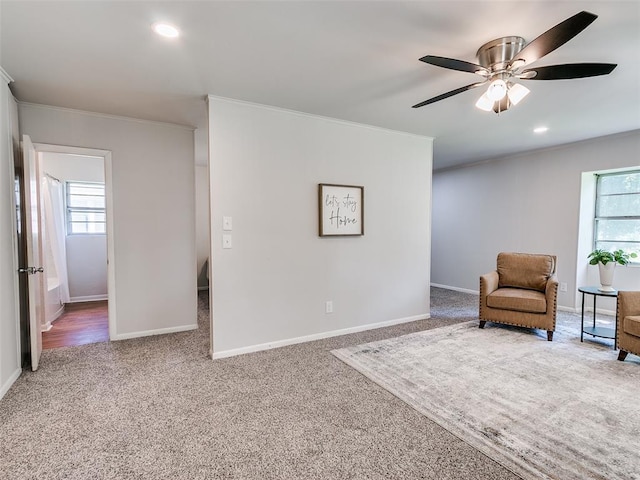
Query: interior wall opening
203	242
74	244
626	277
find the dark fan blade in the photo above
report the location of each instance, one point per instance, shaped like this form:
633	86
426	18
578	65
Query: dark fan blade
569	70
448	94
555	37
453	64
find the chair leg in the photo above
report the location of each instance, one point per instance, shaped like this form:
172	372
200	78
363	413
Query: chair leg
482	323
549	335
622	355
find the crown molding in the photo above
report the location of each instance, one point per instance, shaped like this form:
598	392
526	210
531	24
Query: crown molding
5	76
107	115
312	115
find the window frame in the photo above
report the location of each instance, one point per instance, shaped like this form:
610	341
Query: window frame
597	217
69	209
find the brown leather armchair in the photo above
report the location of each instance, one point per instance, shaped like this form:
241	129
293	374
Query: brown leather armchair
522	291
628	328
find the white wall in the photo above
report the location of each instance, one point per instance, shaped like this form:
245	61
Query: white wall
202	220
10	367
271	287
73	167
528	203
86	254
153	210
87	267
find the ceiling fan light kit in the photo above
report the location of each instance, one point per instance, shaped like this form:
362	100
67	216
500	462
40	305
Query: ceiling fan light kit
502	60
497	90
517	92
485	103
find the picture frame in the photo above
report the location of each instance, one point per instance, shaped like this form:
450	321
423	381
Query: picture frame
340	210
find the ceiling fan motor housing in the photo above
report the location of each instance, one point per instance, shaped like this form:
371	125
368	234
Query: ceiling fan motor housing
496	54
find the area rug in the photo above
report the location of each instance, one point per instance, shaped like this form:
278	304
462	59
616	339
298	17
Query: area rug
545	410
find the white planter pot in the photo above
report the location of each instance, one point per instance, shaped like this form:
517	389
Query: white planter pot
606	276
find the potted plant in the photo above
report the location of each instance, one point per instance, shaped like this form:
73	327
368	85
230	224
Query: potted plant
606	262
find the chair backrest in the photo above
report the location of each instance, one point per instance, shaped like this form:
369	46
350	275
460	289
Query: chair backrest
525	270
628	303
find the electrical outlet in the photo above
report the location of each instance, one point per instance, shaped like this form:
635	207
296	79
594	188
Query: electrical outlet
563	286
328	306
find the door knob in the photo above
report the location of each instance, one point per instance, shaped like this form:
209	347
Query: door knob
31	270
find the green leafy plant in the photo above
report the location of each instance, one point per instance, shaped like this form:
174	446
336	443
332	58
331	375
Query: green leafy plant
605	256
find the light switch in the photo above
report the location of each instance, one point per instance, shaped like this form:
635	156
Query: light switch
226	224
226	241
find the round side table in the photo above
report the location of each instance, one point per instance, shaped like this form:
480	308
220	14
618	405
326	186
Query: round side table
596	331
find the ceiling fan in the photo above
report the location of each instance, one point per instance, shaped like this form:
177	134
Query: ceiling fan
503	60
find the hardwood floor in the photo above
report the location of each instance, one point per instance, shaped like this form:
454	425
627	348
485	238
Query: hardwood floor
80	323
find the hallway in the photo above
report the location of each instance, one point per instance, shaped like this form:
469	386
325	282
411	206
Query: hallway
81	323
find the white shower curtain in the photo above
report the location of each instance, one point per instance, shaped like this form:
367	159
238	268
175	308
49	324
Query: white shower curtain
54	224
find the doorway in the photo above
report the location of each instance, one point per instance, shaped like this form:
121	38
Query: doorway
74	247
76	241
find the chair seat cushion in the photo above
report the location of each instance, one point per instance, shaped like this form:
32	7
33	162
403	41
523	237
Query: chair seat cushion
517	299
631	325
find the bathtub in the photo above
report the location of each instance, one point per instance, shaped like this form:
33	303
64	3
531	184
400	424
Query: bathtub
53	307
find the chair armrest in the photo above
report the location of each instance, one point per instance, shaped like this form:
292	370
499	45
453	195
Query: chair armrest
488	283
552	284
551	293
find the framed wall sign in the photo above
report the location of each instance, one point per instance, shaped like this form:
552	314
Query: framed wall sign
341	210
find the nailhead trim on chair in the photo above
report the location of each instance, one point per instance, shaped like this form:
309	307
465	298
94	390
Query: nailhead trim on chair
555	307
480	300
617	329
621	355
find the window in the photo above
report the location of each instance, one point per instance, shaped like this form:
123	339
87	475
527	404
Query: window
617	219
85	208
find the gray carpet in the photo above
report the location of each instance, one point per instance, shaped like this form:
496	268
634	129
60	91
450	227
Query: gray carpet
560	409
158	408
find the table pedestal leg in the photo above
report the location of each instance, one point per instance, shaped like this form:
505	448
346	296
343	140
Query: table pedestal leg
582	319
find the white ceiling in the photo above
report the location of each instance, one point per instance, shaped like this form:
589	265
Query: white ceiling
355	61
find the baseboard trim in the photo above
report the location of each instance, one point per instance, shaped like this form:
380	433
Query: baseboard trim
456	289
59	312
89	298
159	331
568	309
599	311
49	325
316	336
10	381
559	307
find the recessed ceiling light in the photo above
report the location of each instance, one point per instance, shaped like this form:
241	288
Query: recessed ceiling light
540	129
165	30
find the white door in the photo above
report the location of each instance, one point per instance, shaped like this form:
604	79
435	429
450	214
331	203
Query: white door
34	254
